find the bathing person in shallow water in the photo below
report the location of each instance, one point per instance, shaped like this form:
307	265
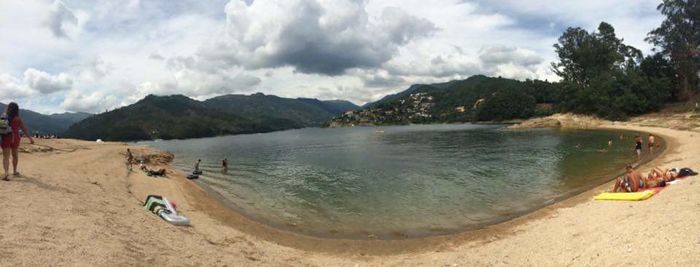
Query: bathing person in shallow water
652	140
196	165
631	181
638	146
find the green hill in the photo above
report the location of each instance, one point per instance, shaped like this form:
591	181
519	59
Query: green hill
179	117
301	112
473	99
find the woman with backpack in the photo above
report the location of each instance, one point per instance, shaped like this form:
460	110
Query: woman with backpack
11	140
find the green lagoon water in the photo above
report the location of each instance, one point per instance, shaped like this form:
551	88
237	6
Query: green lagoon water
407	181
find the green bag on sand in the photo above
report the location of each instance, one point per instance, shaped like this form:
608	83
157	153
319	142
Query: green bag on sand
5	127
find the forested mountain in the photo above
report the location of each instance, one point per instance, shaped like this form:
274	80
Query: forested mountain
300	112
71	117
48	124
178	117
476	98
600	75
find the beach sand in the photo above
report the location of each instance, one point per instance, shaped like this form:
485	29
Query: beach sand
76	204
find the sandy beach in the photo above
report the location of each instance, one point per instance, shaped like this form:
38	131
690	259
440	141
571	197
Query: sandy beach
77	204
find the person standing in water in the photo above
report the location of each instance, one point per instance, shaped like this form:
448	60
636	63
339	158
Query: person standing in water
610	143
638	146
10	141
652	143
224	164
196	166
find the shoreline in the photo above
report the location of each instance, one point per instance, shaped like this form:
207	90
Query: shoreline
90	213
228	213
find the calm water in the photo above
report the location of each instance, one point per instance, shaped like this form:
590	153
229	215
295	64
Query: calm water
406	181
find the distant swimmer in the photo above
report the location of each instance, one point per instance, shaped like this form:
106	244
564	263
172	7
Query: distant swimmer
610	143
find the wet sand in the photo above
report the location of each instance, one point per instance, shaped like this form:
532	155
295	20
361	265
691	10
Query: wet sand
76	204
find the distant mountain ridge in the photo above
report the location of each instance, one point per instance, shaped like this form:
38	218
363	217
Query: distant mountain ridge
477	98
48	124
179	117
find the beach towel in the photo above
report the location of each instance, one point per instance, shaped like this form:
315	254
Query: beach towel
634	196
163	208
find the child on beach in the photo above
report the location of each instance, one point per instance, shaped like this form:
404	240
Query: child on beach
651	143
10	141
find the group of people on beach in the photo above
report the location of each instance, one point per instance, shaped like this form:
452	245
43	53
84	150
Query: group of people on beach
633	181
638	144
10	125
142	165
161	171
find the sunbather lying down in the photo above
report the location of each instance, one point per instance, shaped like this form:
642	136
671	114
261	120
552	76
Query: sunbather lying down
149	172
633	181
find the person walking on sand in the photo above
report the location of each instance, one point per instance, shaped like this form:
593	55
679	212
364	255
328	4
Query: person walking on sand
651	144
129	159
10	141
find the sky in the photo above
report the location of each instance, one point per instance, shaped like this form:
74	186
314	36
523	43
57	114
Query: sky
93	56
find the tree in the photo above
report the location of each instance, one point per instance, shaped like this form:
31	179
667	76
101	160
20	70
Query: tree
603	76
506	104
586	56
678	36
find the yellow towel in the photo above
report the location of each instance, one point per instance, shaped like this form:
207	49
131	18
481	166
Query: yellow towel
636	196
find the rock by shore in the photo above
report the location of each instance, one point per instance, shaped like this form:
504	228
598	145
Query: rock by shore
561	120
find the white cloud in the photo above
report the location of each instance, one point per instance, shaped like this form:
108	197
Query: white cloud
83	55
46	83
11	88
35	83
88	102
327	37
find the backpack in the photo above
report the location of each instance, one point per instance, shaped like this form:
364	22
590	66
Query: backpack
5	127
686	172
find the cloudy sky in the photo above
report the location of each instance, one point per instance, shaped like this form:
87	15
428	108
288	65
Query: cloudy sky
86	55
